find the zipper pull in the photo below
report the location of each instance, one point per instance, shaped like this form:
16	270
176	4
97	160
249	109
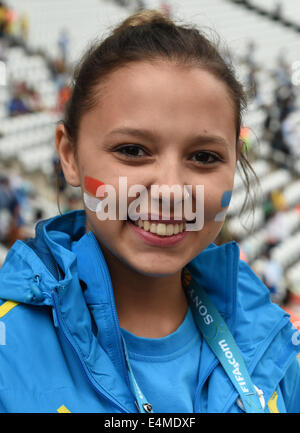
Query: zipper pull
54	317
54	313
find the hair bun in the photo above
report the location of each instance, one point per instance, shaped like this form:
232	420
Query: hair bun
145	17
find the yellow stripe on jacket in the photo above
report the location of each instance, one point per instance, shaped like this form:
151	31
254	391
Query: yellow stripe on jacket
6	307
272	405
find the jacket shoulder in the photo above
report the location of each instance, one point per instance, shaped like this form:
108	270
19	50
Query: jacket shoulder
290	387
253	296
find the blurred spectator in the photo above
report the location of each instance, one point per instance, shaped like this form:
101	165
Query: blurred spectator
2	19
59	71
268	207
277	228
272	276
25	100
249	58
246	138
11	21
63	97
271	121
3	50
277	12
17	105
278	200
291	304
277	127
252	84
24	26
140	5
290	135
123	3
281	72
285	100
32	99
64	45
10	217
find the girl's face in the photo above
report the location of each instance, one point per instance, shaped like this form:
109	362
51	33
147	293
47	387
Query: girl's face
159	124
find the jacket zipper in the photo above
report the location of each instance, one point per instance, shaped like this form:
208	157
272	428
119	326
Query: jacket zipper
114	314
200	385
103	394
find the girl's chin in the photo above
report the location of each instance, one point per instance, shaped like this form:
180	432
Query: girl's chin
155	268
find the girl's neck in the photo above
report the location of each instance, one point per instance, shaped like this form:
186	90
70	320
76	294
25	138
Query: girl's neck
151	307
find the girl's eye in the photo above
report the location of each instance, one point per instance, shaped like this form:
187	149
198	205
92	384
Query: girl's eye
131	151
205	157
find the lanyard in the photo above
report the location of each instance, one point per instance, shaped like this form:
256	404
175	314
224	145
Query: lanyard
219	338
140	399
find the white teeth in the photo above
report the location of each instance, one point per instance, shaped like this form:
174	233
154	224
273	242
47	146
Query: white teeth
170	229
146	225
153	228
161	229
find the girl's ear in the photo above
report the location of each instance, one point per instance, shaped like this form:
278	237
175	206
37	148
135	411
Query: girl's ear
66	153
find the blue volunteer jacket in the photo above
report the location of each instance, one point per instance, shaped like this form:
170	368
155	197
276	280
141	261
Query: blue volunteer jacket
60	340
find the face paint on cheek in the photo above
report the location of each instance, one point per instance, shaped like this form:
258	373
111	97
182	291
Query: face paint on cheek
97	189
226	197
91	185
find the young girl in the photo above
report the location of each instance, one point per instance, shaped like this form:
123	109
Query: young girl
142	312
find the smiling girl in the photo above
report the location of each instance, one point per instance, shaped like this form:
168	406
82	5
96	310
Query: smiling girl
124	314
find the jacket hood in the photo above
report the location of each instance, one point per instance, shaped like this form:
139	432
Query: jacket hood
46	259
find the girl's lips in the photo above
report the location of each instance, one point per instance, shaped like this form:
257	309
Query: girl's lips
153	239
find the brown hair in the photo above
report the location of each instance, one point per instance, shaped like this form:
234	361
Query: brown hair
150	35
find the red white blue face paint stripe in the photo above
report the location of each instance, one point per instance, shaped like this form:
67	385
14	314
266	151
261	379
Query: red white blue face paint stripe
226	197
97	190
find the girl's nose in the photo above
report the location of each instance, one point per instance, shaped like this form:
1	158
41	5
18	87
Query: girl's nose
169	187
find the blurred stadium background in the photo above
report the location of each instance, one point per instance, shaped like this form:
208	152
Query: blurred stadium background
40	42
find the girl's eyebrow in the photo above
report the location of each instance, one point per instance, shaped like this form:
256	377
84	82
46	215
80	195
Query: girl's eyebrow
139	133
147	134
209	139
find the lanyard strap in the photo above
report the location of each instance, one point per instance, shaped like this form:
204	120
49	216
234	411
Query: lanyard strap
140	399
219	338
222	343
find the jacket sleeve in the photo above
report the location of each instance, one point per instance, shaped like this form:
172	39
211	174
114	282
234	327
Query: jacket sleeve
290	387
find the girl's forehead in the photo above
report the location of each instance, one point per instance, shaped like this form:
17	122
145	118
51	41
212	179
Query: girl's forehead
171	98
143	76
